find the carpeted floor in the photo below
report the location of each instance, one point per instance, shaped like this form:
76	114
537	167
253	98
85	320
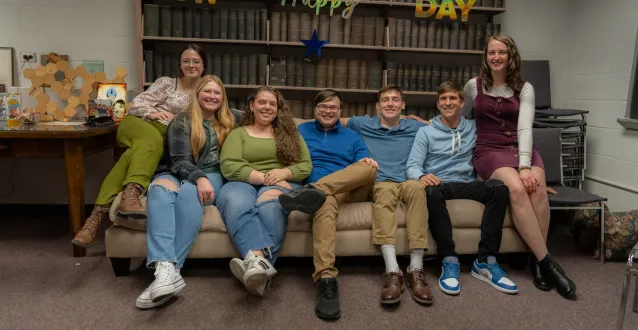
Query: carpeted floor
43	287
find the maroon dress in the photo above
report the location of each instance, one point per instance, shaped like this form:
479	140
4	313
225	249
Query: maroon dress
496	126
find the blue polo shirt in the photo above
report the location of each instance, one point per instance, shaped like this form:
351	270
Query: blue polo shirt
333	150
390	147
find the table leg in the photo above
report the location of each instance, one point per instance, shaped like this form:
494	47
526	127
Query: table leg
74	165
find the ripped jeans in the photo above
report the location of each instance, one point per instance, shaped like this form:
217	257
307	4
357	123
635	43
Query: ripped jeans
494	194
253	224
174	218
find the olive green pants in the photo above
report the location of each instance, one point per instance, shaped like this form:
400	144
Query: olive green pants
144	143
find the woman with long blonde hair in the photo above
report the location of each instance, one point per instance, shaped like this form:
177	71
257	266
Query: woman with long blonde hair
187	179
504	106
263	158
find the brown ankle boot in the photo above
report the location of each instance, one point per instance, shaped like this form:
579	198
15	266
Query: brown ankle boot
86	235
130	205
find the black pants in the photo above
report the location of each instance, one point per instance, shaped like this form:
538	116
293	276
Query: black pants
494	194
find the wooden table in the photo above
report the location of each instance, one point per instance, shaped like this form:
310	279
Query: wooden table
73	142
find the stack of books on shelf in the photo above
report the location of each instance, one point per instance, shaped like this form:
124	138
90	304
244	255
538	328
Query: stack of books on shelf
439	35
427	78
233	69
326	73
358	30
205	23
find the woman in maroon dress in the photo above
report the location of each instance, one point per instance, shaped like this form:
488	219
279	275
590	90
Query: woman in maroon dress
503	106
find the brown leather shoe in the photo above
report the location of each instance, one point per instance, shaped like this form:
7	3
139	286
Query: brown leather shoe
419	287
130	205
86	235
393	288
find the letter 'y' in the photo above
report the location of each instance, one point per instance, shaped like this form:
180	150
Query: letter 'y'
465	8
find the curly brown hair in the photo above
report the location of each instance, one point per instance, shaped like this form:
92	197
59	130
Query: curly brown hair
286	135
514	78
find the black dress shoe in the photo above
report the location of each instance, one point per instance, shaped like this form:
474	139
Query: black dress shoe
306	199
540	282
555	275
328	299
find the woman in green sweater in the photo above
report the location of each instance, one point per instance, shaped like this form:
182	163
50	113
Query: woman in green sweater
262	158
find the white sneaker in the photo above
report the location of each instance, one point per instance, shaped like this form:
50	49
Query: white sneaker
238	268
144	300
258	273
168	282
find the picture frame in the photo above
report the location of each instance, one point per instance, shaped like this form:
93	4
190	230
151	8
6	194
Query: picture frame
116	94
6	66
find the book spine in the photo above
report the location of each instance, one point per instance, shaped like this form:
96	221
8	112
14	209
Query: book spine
471	36
445	41
177	25
315	25
406	76
293	27
399	75
214	26
392	27
361	109
192	22
407	32
375	75
241	24
336	29
165	21
356	36
391	68
223	23
436	78
369	30
423	34
209	63
283	28
353	74
309	74
438	43
278	71
305	27
151	20
263	23
324	27
290	71
363	75
252	69
275	26
489	30
297	109
428	78
463	36
148	66
379	31
174	62
158	65
414	38
226	71
232	24
250	25
467	74
420	78
308	110
217	66
258	26
480	37
432	33
330	80
243	77
454	35
341	79
166	64
321	73
347	31
299	72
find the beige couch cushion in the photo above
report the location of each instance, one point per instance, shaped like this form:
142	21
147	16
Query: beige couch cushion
354	216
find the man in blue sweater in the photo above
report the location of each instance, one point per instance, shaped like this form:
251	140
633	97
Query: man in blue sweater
441	158
341	173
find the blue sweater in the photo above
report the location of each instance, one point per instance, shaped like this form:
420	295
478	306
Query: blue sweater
443	151
333	150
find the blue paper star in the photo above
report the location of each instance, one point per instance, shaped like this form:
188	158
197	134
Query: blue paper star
313	46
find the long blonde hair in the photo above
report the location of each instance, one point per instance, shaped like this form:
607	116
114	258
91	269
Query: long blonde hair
222	121
514	77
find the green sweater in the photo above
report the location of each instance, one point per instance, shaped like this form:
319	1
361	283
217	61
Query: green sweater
242	153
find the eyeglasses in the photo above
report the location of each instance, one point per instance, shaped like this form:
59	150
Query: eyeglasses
193	62
323	107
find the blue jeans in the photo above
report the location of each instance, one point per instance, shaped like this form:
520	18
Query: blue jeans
253	225
174	219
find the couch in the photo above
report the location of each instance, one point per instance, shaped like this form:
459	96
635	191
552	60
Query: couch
126	238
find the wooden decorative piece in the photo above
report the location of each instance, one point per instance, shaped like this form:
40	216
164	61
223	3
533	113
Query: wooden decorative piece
58	66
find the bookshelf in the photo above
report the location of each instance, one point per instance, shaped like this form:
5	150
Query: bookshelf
382	42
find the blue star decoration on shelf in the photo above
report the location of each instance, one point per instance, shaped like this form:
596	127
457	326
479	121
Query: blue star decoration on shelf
313	46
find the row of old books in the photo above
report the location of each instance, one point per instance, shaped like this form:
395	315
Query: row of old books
178	22
433	34
478	3
234	69
427	78
327	73
357	30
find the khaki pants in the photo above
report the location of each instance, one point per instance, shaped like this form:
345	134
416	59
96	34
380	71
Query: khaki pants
353	184
386	196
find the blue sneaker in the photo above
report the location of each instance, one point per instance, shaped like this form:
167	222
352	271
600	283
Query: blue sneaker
449	280
492	273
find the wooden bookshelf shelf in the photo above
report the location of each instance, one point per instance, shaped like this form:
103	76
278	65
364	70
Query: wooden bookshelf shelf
435	50
204	40
319	89
329	45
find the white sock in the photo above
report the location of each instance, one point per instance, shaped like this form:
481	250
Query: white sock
416	259
249	255
390	258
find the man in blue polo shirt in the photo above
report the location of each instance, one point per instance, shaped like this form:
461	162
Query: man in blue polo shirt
389	140
341	173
